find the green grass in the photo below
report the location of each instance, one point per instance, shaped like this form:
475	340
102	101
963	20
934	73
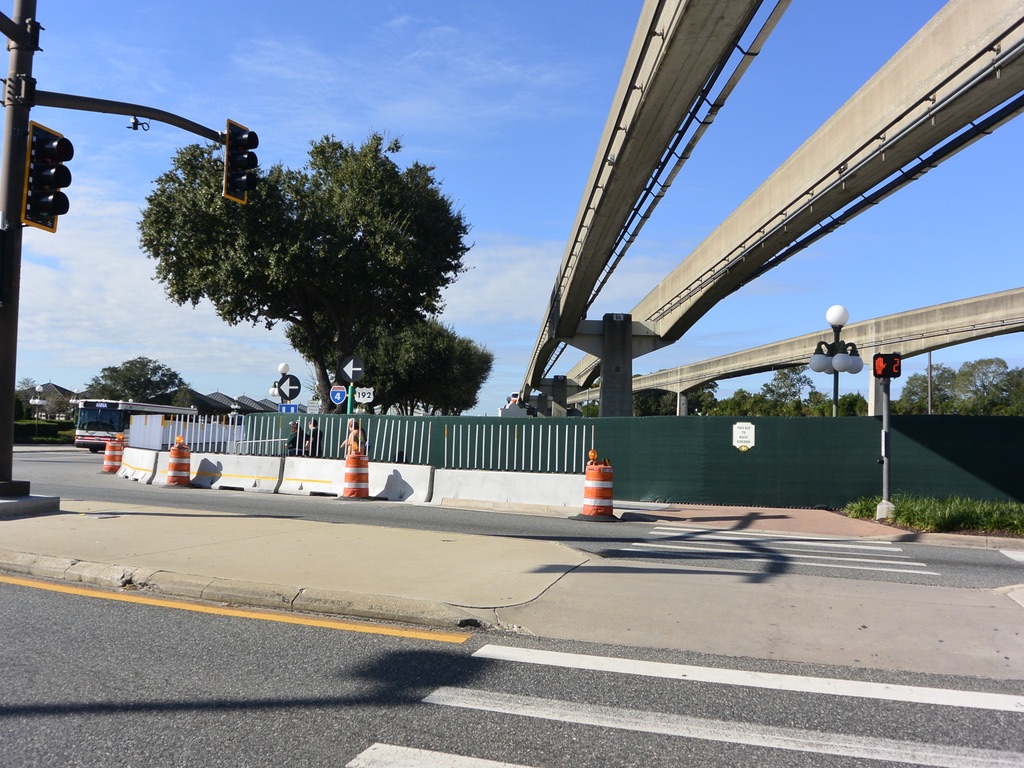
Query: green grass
953	514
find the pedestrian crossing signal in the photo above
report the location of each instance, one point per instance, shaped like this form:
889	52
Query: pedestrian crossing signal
886	366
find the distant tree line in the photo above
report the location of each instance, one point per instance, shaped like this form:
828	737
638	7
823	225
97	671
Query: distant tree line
987	387
423	368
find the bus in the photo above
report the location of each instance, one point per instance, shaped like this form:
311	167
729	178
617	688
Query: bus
100	421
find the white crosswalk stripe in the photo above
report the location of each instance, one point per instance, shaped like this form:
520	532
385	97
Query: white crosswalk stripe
717	730
798	683
793	739
390	756
755	547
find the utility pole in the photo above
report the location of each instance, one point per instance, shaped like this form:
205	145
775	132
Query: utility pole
23	34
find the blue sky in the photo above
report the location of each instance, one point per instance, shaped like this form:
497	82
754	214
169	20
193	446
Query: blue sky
508	101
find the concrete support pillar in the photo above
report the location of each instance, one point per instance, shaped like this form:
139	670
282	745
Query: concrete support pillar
617	366
875	397
682	405
542	404
559	396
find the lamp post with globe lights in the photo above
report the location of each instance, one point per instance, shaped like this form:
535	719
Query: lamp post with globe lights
38	402
839	356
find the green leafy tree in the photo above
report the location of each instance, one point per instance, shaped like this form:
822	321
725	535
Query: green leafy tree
980	387
702	399
852	404
913	399
350	243
783	394
426	366
1014	405
654	402
140	379
742	403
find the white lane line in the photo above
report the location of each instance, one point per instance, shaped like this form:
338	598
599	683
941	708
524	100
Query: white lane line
1014	554
824	685
805	555
390	756
710	554
794	541
774	737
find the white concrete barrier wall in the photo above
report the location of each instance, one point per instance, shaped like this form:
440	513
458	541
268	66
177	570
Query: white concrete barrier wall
401	482
160	474
415	483
260	474
138	464
305	476
520	487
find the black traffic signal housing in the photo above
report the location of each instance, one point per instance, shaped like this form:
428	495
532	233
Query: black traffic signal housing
45	176
887	366
239	162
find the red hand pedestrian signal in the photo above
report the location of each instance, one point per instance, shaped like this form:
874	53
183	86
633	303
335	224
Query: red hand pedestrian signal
886	366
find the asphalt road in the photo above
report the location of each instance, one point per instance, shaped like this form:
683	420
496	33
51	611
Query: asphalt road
77	475
93	682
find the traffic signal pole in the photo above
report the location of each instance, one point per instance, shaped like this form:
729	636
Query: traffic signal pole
20	95
23	33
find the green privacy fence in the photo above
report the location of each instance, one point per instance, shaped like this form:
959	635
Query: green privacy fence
757	461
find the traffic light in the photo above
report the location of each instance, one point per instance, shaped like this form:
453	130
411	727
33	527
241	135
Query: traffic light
886	366
239	162
45	175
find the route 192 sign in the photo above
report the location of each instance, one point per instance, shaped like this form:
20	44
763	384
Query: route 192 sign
364	395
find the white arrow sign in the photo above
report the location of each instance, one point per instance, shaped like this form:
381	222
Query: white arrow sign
353	368
289	387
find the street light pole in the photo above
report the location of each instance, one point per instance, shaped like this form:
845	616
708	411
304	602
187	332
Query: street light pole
837	357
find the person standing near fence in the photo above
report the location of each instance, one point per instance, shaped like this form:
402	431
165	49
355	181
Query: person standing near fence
355	440
295	439
313	446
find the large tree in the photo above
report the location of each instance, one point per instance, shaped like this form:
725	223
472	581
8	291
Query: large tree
425	366
140	379
350	243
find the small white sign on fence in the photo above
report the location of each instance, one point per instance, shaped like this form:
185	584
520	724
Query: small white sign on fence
743	435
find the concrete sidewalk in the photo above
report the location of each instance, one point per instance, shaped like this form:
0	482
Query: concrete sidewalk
539	588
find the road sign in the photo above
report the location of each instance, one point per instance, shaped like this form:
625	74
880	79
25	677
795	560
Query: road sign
289	387
287	408
338	395
364	395
352	368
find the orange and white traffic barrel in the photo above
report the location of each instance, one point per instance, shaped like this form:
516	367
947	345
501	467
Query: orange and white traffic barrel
597	492
179	466
112	454
357	477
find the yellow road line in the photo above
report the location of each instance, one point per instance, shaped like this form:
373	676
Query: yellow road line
127	597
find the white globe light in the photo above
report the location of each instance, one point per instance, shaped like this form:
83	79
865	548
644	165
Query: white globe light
856	364
841	362
837	314
820	363
283	368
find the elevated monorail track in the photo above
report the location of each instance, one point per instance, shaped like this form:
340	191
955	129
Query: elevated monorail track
958	79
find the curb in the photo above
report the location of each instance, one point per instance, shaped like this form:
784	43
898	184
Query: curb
247	593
